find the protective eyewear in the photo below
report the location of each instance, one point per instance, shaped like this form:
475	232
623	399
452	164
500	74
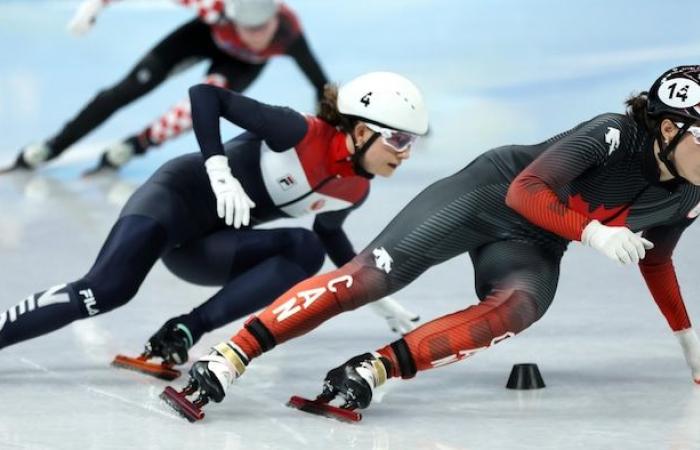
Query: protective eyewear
400	141
693	130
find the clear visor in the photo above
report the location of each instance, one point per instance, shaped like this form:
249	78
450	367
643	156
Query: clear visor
693	130
400	141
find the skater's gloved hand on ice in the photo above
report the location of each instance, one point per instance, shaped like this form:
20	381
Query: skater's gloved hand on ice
232	203
617	243
691	350
85	16
400	319
215	372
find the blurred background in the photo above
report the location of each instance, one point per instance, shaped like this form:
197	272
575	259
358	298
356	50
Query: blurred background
493	72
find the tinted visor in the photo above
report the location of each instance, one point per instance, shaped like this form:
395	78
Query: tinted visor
398	140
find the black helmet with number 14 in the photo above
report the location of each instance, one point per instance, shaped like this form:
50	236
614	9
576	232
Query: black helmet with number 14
675	95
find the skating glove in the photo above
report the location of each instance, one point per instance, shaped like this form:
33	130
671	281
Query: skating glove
232	203
85	17
400	319
617	243
215	372
691	350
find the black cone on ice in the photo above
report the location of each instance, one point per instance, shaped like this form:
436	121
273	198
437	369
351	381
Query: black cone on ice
525	376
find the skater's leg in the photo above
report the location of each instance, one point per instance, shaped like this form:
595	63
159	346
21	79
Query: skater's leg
254	267
176	49
517	282
131	249
438	224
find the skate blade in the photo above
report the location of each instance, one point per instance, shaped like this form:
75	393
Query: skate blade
181	405
99	170
13	168
159	370
324	409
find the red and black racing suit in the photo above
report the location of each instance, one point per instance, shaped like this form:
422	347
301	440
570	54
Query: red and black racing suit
513	209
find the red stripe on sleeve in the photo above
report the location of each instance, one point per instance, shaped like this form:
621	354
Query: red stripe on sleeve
534	200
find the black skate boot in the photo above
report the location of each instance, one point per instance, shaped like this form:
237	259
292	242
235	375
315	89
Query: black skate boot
171	342
354	382
30	157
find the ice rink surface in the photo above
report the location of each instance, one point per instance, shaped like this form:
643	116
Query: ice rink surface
493	72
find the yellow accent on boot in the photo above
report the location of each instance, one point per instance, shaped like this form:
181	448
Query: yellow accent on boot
230	354
379	370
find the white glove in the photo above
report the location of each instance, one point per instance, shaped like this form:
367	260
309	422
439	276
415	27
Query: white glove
85	16
617	243
232	203
691	350
400	319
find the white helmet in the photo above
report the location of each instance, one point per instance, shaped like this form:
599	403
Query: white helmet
387	99
251	13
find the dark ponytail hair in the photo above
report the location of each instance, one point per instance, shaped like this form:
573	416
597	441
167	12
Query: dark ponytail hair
328	110
638	109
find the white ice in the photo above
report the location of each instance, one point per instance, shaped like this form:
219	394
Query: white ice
496	72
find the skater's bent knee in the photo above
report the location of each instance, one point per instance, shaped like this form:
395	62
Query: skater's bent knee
306	249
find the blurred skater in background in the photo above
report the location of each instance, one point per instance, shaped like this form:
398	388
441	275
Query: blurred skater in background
236	37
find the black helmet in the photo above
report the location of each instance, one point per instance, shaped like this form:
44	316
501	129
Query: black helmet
676	95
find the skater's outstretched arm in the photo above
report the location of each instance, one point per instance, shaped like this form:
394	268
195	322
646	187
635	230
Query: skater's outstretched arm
86	15
307	62
660	276
209	11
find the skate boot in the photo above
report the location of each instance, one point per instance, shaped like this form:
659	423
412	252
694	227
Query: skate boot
210	377
30	157
118	154
170	343
353	382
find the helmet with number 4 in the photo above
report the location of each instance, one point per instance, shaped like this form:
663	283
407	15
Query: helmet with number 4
676	94
386	99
